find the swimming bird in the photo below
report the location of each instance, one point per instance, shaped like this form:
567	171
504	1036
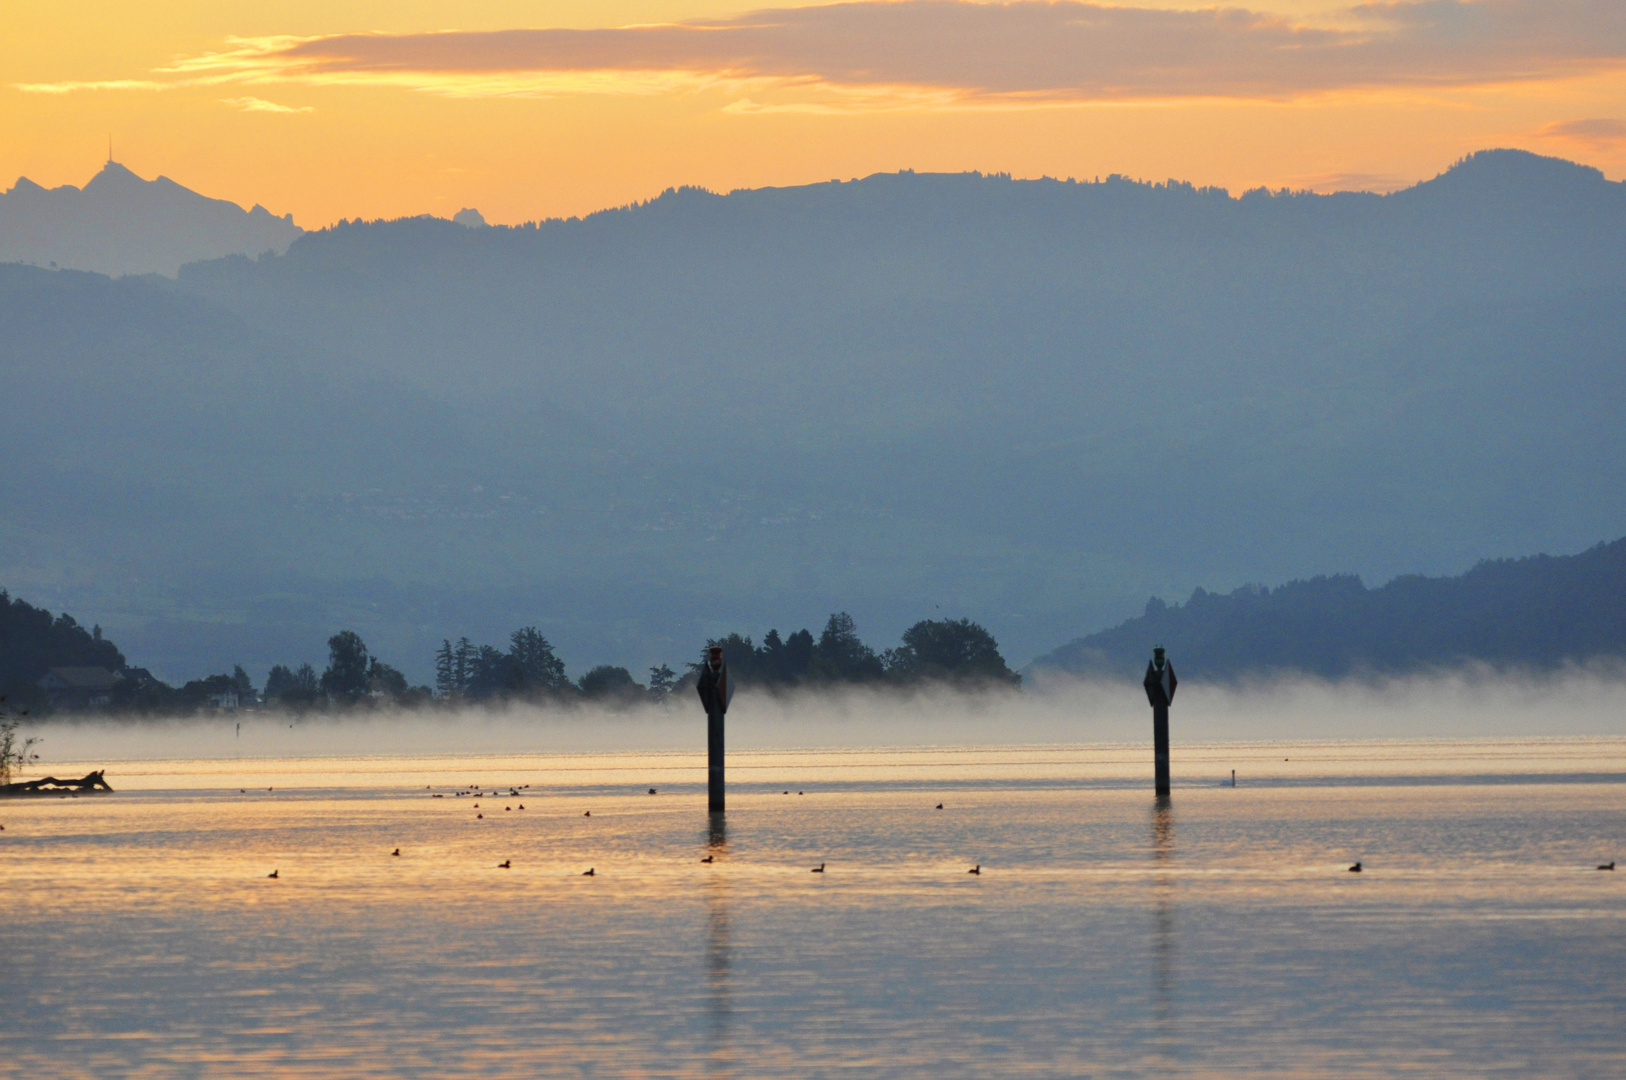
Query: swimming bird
709	858
652	791
272	874
397	851
506	864
588	814
588	872
975	869
1607	866
801	793
479	817
784	793
819	869
1356	868
940	806
508	809
522	806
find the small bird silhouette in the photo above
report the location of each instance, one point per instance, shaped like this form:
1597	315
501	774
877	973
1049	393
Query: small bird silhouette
801	793
1607	866
588	872
508	809
272	874
940	806
479	817
709	858
652	791
397	851
975	869
1356	868
819	869
588	814
522	806
506	864
784	793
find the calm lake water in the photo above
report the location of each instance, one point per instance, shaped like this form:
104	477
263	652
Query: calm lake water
1219	935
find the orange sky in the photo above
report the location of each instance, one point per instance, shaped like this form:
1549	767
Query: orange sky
534	109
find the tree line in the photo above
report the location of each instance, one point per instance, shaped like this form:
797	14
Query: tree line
957	652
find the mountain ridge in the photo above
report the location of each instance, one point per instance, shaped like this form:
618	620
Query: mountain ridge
119	223
1029	403
1533	612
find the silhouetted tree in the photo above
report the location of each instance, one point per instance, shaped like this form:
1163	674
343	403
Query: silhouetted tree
612	685
787	662
539	668
385	680
948	650
840	656
661	681
345	679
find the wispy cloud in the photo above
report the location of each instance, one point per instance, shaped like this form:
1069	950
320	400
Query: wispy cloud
1595	134
254	104
946	53
1350	181
71	85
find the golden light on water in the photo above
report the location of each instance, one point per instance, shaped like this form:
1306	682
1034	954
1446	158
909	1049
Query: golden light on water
1222	934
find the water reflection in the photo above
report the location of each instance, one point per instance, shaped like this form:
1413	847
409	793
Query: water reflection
719	990
1163	935
1486	920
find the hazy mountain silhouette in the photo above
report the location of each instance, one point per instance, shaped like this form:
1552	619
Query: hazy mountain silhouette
121	224
1536	612
1033	403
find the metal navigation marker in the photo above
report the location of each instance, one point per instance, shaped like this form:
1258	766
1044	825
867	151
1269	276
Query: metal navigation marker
1160	685
715	691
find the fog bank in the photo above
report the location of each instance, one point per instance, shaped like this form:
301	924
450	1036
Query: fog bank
1469	702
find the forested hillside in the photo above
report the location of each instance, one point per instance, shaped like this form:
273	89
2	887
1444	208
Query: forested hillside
1536	612
32	642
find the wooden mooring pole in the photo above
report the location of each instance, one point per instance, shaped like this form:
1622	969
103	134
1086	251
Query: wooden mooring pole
1160	747
714	762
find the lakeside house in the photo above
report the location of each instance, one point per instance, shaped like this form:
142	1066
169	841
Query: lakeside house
78	688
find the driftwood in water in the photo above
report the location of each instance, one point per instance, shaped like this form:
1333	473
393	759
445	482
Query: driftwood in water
50	785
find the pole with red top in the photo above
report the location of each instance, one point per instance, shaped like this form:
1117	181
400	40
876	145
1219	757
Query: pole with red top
1160	684
715	691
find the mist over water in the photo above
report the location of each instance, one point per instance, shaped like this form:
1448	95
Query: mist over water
427	933
1472	702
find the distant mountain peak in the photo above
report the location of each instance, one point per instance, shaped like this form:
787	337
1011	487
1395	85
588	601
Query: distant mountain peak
113	172
119	223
